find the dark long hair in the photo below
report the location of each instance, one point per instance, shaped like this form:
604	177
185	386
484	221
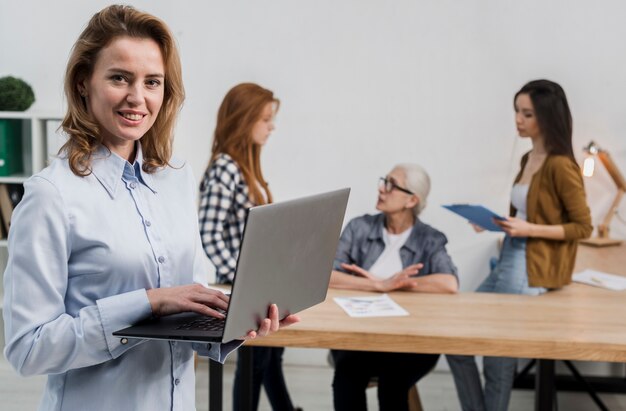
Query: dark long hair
553	115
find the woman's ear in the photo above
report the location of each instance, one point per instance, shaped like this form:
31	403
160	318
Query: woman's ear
412	201
82	89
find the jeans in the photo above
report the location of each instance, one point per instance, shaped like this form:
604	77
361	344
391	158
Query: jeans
508	276
396	374
267	369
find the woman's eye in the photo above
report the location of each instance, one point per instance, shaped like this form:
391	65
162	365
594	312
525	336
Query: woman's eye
117	77
153	83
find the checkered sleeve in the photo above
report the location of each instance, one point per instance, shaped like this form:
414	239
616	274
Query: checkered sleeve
216	201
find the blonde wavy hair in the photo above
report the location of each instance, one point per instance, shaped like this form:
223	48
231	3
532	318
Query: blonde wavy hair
84	133
240	110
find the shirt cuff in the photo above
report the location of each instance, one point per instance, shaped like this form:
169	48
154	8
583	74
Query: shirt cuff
217	352
121	311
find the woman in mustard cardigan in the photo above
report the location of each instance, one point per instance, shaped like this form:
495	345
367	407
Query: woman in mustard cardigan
549	214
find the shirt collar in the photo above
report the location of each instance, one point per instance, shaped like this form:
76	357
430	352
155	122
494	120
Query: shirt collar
142	176
108	168
376	233
412	243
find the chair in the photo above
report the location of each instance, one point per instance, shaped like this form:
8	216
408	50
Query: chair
415	403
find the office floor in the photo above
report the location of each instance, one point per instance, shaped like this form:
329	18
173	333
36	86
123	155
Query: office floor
310	389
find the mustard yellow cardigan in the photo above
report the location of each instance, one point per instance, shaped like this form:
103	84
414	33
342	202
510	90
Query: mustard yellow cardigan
556	195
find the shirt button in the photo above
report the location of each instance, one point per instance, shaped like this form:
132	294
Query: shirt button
148	223
133	185
176	381
161	259
124	341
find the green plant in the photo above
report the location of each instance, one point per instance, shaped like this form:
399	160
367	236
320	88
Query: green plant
15	94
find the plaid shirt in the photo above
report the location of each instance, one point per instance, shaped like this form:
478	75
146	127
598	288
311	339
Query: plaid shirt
224	202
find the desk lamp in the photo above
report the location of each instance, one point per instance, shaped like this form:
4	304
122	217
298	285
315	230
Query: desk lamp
592	150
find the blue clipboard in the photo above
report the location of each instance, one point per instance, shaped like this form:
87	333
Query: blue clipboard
477	214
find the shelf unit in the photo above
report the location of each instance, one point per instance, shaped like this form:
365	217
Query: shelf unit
36	144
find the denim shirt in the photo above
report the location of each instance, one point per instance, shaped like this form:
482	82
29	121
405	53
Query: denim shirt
82	252
361	243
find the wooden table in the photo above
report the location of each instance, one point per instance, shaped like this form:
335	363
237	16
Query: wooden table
578	322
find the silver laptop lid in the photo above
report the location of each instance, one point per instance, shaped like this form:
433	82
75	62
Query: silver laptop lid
285	258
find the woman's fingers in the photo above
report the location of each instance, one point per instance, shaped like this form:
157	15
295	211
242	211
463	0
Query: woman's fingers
353	268
272	323
265	328
289	320
413	269
192	297
213	298
205	310
360	271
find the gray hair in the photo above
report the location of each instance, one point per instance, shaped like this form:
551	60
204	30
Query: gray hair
417	181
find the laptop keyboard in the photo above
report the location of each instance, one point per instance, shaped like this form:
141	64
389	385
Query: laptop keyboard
204	324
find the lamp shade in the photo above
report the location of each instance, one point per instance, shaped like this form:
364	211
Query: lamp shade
592	150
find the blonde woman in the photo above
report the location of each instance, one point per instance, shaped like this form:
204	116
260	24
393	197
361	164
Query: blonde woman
107	235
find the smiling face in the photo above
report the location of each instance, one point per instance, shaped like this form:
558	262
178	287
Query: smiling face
264	125
125	92
525	118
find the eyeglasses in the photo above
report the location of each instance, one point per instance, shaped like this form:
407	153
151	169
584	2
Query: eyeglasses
387	185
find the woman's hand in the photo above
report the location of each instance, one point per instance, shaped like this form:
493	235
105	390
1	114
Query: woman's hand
400	281
516	227
272	323
355	269
478	228
185	298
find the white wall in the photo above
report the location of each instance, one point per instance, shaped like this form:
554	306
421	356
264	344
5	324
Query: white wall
365	84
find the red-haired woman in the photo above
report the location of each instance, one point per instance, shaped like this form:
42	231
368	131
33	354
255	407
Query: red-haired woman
232	183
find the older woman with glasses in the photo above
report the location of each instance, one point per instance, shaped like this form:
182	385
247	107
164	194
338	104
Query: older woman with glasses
392	250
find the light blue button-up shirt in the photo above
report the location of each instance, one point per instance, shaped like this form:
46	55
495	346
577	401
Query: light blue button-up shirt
82	252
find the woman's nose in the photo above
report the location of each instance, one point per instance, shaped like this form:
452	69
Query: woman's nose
135	95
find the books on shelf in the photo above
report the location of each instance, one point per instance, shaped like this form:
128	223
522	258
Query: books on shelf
10	196
10	146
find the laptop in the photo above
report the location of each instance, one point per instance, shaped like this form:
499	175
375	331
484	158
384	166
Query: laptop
286	257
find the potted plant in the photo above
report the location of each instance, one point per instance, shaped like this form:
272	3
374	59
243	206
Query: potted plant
15	95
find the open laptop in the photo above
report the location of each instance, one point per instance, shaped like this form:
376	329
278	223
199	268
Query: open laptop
286	257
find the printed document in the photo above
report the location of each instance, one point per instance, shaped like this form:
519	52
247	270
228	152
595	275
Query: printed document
371	306
600	279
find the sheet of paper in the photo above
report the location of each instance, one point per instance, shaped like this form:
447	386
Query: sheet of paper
601	279
371	306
